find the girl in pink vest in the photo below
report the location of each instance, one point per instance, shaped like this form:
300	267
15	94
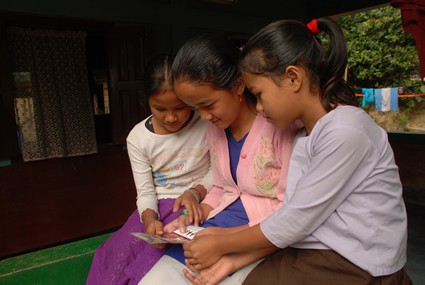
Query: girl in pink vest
249	157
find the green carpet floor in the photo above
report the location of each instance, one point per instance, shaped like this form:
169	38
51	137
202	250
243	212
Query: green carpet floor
66	264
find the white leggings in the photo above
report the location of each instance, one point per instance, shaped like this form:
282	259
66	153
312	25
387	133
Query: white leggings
170	271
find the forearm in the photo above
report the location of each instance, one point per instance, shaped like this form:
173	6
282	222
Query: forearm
228	231
249	239
242	259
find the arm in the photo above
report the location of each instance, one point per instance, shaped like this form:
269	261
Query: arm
143	179
152	225
206	250
340	160
190	199
221	231
319	191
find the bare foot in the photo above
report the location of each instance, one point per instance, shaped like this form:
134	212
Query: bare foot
213	274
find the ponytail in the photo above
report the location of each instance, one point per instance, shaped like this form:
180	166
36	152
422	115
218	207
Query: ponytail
334	89
290	42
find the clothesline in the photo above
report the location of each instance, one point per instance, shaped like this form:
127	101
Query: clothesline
399	95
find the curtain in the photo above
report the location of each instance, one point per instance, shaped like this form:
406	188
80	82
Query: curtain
53	106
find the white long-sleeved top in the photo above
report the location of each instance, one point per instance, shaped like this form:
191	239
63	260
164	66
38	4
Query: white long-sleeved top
344	193
164	166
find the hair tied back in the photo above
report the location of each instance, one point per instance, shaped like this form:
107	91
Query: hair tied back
312	26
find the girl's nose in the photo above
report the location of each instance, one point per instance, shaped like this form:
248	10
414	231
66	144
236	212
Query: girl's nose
259	107
205	115
171	118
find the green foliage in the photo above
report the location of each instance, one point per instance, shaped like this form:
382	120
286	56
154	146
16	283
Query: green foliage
380	53
402	119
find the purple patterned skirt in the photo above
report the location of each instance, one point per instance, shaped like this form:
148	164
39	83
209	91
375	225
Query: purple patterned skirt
125	259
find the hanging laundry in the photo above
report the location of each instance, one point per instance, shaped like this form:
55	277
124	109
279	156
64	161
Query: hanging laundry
386	99
368	97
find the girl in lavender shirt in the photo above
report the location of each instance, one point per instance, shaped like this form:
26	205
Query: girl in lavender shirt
343	220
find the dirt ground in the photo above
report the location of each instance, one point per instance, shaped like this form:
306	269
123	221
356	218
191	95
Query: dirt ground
404	120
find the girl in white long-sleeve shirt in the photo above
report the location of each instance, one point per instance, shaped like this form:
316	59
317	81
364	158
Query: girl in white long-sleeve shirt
171	168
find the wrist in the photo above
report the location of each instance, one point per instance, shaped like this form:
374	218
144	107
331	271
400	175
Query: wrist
202	192
148	216
194	193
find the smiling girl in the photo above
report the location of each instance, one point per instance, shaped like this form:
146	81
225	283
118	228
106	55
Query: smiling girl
171	168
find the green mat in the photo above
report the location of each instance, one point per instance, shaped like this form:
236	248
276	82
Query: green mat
66	264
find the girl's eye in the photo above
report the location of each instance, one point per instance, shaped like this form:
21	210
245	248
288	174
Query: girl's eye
209	106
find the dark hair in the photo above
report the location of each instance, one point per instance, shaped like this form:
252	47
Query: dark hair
290	42
157	75
207	59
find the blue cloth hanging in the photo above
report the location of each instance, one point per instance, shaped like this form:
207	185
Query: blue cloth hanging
368	97
386	99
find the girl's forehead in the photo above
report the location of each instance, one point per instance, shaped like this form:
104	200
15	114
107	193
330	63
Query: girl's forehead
199	95
167	98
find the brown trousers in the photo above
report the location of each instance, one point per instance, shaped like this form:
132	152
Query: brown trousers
293	266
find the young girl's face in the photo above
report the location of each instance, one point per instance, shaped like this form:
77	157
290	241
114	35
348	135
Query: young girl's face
219	106
169	113
275	102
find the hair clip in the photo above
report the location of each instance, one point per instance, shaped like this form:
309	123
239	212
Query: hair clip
312	26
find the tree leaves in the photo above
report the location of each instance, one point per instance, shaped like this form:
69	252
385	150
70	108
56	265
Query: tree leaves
380	53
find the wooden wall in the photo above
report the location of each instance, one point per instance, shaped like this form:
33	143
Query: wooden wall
48	202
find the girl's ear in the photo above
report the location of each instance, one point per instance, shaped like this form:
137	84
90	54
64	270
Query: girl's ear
239	86
296	77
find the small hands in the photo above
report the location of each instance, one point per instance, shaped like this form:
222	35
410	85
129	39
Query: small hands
203	251
189	201
155	228
211	275
180	223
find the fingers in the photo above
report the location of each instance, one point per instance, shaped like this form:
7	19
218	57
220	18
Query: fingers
197	216
192	262
177	204
159	228
195	213
188	265
150	229
191	213
159	245
191	277
182	223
